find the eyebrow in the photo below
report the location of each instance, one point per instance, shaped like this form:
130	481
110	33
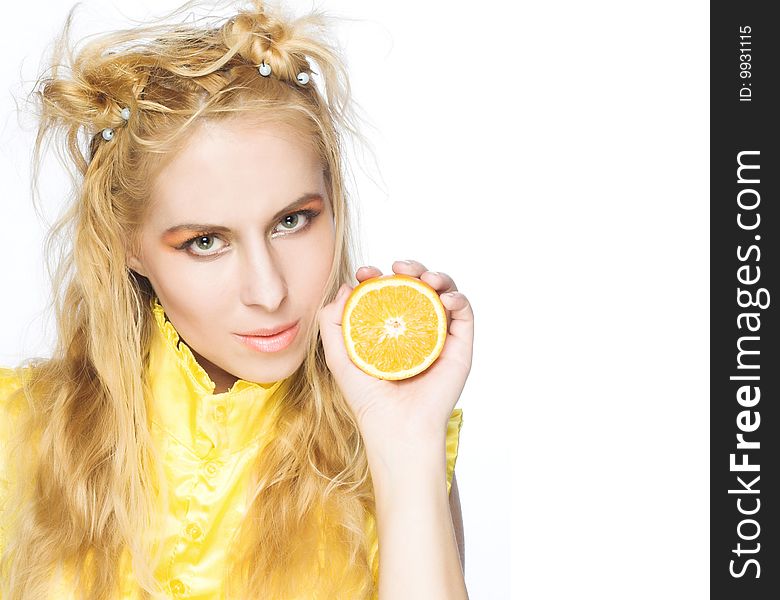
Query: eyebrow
222	229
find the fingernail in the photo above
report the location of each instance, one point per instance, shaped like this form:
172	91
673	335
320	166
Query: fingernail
406	262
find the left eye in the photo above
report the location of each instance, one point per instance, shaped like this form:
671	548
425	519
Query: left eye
290	221
293	219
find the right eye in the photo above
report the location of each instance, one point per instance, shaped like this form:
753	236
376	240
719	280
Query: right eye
202	241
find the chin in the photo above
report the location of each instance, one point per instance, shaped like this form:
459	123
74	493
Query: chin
281	370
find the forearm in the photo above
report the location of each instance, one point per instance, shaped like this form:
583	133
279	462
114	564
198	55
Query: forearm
418	551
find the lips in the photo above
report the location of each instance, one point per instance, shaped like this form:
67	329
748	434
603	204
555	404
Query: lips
270	343
268	331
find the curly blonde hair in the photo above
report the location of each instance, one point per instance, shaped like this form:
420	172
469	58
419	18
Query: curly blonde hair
92	473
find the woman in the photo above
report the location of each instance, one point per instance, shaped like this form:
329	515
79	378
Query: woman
171	447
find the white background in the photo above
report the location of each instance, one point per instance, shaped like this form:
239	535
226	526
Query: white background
552	157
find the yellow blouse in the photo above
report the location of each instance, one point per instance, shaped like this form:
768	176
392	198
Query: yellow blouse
207	443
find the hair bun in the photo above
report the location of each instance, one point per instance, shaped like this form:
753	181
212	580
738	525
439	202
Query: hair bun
263	39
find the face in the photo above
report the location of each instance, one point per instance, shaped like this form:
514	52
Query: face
240	236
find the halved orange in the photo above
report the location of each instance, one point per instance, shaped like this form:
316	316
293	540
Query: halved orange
394	326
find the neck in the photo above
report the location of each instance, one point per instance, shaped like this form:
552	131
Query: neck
221	378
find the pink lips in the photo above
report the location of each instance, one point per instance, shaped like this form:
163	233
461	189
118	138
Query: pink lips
270	343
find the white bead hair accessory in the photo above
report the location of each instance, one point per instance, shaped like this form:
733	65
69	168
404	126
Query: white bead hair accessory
108	132
265	71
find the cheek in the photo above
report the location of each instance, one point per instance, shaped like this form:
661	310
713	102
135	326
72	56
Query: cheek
326	253
310	268
173	283
179	291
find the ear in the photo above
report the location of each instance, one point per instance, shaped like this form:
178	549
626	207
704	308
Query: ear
136	265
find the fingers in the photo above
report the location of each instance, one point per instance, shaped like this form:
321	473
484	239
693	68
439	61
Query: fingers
329	319
409	267
462	324
337	306
367	272
441	282
330	315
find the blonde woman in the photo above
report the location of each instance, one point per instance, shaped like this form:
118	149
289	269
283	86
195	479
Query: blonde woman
200	430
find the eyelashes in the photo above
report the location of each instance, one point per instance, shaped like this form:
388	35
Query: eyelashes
309	214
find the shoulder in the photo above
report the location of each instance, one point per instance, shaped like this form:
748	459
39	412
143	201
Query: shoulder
13	406
10	408
11	402
14	413
10	405
10	381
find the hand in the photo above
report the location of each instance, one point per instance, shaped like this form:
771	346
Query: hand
407	411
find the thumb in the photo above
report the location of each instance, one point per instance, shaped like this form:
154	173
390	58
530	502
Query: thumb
330	330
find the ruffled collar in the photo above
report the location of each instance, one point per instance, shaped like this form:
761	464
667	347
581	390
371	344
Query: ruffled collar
184	404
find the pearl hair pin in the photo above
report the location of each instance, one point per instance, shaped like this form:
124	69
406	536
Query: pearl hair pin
265	71
108	132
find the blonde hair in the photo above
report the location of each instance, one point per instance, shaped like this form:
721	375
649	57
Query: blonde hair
92	474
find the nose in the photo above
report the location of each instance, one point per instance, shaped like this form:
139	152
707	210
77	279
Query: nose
262	280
